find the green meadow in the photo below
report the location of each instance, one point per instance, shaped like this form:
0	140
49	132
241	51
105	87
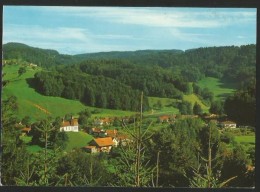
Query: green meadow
192	98
246	139
219	88
166	106
77	140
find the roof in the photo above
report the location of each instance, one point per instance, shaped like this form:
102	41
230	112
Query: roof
73	122
189	116
96	130
102	142
211	116
26	129
111	132
164	117
65	124
106	120
228	122
122	137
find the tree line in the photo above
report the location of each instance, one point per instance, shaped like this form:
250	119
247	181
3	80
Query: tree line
97	91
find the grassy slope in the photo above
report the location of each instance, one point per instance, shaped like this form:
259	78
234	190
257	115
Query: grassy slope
166	102
245	139
28	98
192	98
77	140
220	89
166	108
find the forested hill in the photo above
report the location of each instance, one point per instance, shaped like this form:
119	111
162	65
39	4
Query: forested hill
211	61
135	56
41	57
158	73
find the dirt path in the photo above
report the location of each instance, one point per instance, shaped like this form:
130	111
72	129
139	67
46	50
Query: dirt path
39	107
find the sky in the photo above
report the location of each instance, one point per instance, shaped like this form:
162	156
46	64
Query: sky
76	30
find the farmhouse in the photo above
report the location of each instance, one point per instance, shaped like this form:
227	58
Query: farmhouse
188	116
103	121
71	125
123	140
32	65
95	131
228	124
111	133
90	149
167	118
26	130
107	121
100	145
209	117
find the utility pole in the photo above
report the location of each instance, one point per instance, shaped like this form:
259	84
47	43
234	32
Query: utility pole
139	145
157	168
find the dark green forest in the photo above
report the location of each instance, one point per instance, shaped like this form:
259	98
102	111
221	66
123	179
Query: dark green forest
229	62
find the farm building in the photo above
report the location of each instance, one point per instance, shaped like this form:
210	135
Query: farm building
103	121
26	130
90	149
100	145
228	124
71	125
167	118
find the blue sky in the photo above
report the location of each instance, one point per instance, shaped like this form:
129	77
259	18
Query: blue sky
75	30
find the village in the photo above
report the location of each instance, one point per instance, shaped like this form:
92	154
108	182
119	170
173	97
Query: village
106	136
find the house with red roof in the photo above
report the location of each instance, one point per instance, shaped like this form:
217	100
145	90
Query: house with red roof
111	133
167	118
100	145
26	130
71	125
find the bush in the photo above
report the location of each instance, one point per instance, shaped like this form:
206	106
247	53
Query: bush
227	137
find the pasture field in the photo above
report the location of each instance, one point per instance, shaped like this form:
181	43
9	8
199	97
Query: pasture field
249	139
77	140
167	104
220	89
165	109
192	98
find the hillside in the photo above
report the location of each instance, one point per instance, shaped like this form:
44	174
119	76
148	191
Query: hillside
219	88
42	57
231	63
38	106
115	80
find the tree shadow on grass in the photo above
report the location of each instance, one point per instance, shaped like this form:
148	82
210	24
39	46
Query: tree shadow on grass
224	95
227	84
32	84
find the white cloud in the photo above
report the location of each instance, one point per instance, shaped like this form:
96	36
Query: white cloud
161	17
168	25
66	40
41	33
241	37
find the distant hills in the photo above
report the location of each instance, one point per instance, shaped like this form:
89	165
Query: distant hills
48	57
230	62
126	54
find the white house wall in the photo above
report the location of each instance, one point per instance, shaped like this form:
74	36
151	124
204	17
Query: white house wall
70	128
